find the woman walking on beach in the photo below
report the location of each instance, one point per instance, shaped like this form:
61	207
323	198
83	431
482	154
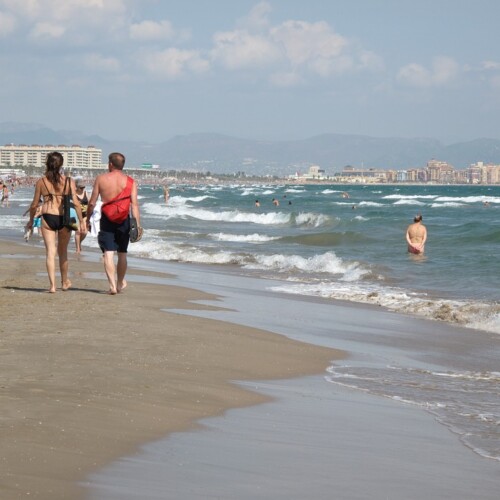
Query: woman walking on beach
52	187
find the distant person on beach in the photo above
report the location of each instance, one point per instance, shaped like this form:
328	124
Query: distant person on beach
51	188
166	193
118	193
276	203
5	195
416	236
81	193
257	203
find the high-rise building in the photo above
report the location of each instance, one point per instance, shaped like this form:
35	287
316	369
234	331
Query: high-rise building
75	156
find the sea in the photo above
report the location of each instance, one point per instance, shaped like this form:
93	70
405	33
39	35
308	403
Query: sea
347	243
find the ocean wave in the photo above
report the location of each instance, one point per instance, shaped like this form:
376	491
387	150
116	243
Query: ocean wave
406	201
182	200
409	196
327	263
311	219
183	211
447	204
370	204
13	222
468	199
323	264
294	190
244	238
330	191
470	314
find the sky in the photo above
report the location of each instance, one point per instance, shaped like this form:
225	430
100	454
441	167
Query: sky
148	70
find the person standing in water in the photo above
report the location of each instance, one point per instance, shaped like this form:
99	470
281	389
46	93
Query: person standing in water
416	236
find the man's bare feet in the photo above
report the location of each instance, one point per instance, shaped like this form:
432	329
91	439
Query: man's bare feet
121	287
111	291
66	285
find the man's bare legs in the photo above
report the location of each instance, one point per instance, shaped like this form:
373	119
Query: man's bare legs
121	270
110	269
115	285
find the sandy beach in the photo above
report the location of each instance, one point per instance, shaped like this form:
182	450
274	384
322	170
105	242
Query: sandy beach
87	378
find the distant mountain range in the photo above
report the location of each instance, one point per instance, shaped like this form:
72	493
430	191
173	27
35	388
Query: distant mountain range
224	154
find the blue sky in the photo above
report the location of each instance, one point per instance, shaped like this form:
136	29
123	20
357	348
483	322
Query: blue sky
276	69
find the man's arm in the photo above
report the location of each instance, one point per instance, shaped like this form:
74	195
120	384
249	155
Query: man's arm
93	200
135	204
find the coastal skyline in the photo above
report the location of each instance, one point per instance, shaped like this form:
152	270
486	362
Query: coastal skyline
272	70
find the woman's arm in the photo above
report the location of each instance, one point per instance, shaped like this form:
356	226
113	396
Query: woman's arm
35	202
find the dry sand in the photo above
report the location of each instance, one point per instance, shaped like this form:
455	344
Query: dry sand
86	377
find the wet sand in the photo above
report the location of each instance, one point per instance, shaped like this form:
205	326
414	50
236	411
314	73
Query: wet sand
87	378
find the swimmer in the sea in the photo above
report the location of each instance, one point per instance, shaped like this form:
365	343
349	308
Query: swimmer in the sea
416	236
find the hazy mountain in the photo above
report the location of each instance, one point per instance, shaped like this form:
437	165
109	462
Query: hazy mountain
224	154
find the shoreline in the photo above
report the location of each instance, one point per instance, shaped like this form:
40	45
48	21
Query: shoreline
88	378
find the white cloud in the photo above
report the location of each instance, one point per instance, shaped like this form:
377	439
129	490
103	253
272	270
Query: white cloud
60	10
444	70
239	49
305	43
295	50
152	30
101	63
174	63
490	65
47	30
7	24
257	19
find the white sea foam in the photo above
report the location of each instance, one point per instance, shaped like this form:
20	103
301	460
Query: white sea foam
327	263
311	219
370	204
244	238
330	191
294	190
182	211
408	196
480	315
409	202
448	204
248	192
468	199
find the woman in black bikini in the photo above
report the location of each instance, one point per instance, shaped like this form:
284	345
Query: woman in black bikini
55	235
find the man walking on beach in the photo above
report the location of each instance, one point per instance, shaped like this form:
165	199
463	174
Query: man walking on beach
416	236
118	194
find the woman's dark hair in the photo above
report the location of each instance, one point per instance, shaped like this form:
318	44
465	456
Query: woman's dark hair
417	218
54	163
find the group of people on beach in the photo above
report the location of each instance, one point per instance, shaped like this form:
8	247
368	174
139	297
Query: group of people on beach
115	189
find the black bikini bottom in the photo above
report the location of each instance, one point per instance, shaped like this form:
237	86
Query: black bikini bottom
55	222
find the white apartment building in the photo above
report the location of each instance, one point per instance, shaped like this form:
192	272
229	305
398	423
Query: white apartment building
74	156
